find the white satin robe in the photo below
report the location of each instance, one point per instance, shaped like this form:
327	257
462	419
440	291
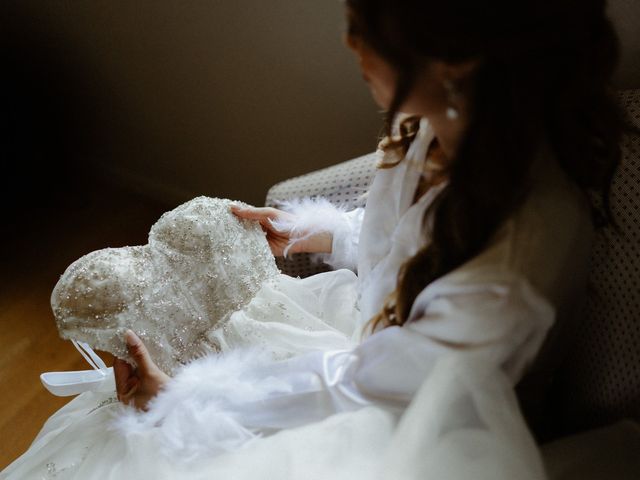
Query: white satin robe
498	307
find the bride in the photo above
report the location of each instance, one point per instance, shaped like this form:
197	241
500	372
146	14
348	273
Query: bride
470	255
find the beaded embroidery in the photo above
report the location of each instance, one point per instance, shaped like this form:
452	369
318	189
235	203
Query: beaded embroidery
202	263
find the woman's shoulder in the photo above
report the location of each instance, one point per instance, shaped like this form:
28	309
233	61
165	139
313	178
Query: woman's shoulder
547	241
553	228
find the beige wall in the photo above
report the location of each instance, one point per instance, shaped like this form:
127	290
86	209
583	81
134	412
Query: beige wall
626	16
216	97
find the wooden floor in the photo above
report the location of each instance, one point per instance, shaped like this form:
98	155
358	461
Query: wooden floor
36	252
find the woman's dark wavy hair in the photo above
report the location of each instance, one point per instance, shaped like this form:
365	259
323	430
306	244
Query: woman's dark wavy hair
544	72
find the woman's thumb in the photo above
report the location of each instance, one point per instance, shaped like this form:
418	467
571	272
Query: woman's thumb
138	352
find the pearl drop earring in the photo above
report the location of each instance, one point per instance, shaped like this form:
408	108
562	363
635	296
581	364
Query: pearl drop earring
452	95
452	113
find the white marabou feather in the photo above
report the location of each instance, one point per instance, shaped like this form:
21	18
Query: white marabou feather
194	417
310	216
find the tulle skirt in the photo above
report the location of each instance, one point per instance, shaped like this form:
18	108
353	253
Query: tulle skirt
464	423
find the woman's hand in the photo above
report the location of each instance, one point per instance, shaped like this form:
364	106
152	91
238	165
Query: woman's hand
137	386
278	239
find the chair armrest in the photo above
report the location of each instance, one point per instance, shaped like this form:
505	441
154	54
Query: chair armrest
343	184
605	453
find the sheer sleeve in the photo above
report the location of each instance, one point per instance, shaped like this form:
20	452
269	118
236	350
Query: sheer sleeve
244	396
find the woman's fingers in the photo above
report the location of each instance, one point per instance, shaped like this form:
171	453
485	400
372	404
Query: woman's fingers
254	213
271	219
122	372
139	352
129	394
277	224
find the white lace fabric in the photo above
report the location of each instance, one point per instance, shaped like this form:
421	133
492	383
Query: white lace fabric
201	264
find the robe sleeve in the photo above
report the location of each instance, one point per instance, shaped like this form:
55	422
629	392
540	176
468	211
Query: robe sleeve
314	215
502	322
344	246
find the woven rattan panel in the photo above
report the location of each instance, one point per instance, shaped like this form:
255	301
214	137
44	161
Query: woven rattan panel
600	381
342	184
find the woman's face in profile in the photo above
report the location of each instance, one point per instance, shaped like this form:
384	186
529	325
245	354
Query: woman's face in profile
379	75
376	72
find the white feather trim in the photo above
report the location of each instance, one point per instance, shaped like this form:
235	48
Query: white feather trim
310	216
196	414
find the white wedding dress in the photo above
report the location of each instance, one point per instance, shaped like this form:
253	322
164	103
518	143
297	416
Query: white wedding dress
296	393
